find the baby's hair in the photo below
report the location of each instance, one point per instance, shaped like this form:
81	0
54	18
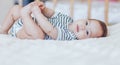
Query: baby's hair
103	26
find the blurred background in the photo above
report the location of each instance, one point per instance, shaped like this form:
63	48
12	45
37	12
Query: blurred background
5	5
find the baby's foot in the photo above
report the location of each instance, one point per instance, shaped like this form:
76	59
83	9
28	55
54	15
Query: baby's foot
2	32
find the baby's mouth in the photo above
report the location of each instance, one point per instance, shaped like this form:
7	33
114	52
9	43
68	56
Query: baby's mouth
77	28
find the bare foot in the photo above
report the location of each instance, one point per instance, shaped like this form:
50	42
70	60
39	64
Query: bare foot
2	32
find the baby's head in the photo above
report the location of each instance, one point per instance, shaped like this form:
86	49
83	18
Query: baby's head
90	28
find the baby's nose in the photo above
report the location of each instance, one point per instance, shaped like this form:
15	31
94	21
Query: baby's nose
82	27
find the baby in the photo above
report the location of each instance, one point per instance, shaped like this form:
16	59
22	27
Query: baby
35	21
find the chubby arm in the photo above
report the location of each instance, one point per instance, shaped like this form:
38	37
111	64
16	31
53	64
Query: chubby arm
46	26
30	27
47	12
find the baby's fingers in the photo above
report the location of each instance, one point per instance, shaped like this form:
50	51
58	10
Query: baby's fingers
41	5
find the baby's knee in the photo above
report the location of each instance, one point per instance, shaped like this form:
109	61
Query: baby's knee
38	36
15	11
16	8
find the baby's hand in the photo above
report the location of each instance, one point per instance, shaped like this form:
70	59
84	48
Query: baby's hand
36	11
41	5
38	6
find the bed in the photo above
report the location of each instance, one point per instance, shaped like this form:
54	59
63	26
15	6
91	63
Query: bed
102	51
93	51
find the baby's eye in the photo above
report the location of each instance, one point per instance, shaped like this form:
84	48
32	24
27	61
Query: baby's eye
86	23
77	39
87	32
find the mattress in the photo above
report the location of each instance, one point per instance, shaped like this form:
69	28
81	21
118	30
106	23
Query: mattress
93	51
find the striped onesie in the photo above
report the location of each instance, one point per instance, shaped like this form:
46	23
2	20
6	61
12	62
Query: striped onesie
58	20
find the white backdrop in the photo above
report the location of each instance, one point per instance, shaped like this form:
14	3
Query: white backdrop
80	10
5	5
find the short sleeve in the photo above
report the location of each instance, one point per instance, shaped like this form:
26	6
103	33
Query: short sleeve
65	35
59	34
54	15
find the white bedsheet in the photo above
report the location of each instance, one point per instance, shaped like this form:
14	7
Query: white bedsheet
97	51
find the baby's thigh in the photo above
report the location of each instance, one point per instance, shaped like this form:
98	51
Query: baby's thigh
22	34
16	11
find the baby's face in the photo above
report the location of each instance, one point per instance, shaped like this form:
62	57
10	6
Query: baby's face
87	29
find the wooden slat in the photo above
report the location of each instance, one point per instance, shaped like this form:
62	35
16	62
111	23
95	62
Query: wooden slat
54	4
71	8
20	2
89	8
106	11
82	0
37	0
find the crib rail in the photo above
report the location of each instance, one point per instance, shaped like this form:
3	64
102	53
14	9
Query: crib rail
106	13
106	10
20	2
89	8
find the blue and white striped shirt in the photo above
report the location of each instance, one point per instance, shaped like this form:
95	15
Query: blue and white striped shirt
58	20
61	22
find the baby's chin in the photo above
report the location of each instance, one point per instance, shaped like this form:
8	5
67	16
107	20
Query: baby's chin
77	36
39	8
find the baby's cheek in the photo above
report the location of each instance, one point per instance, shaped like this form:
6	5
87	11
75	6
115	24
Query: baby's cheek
81	35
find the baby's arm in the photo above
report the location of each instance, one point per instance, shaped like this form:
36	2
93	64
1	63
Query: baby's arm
48	12
30	27
45	10
44	23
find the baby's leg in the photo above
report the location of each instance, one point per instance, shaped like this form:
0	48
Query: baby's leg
36	34
12	16
30	29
